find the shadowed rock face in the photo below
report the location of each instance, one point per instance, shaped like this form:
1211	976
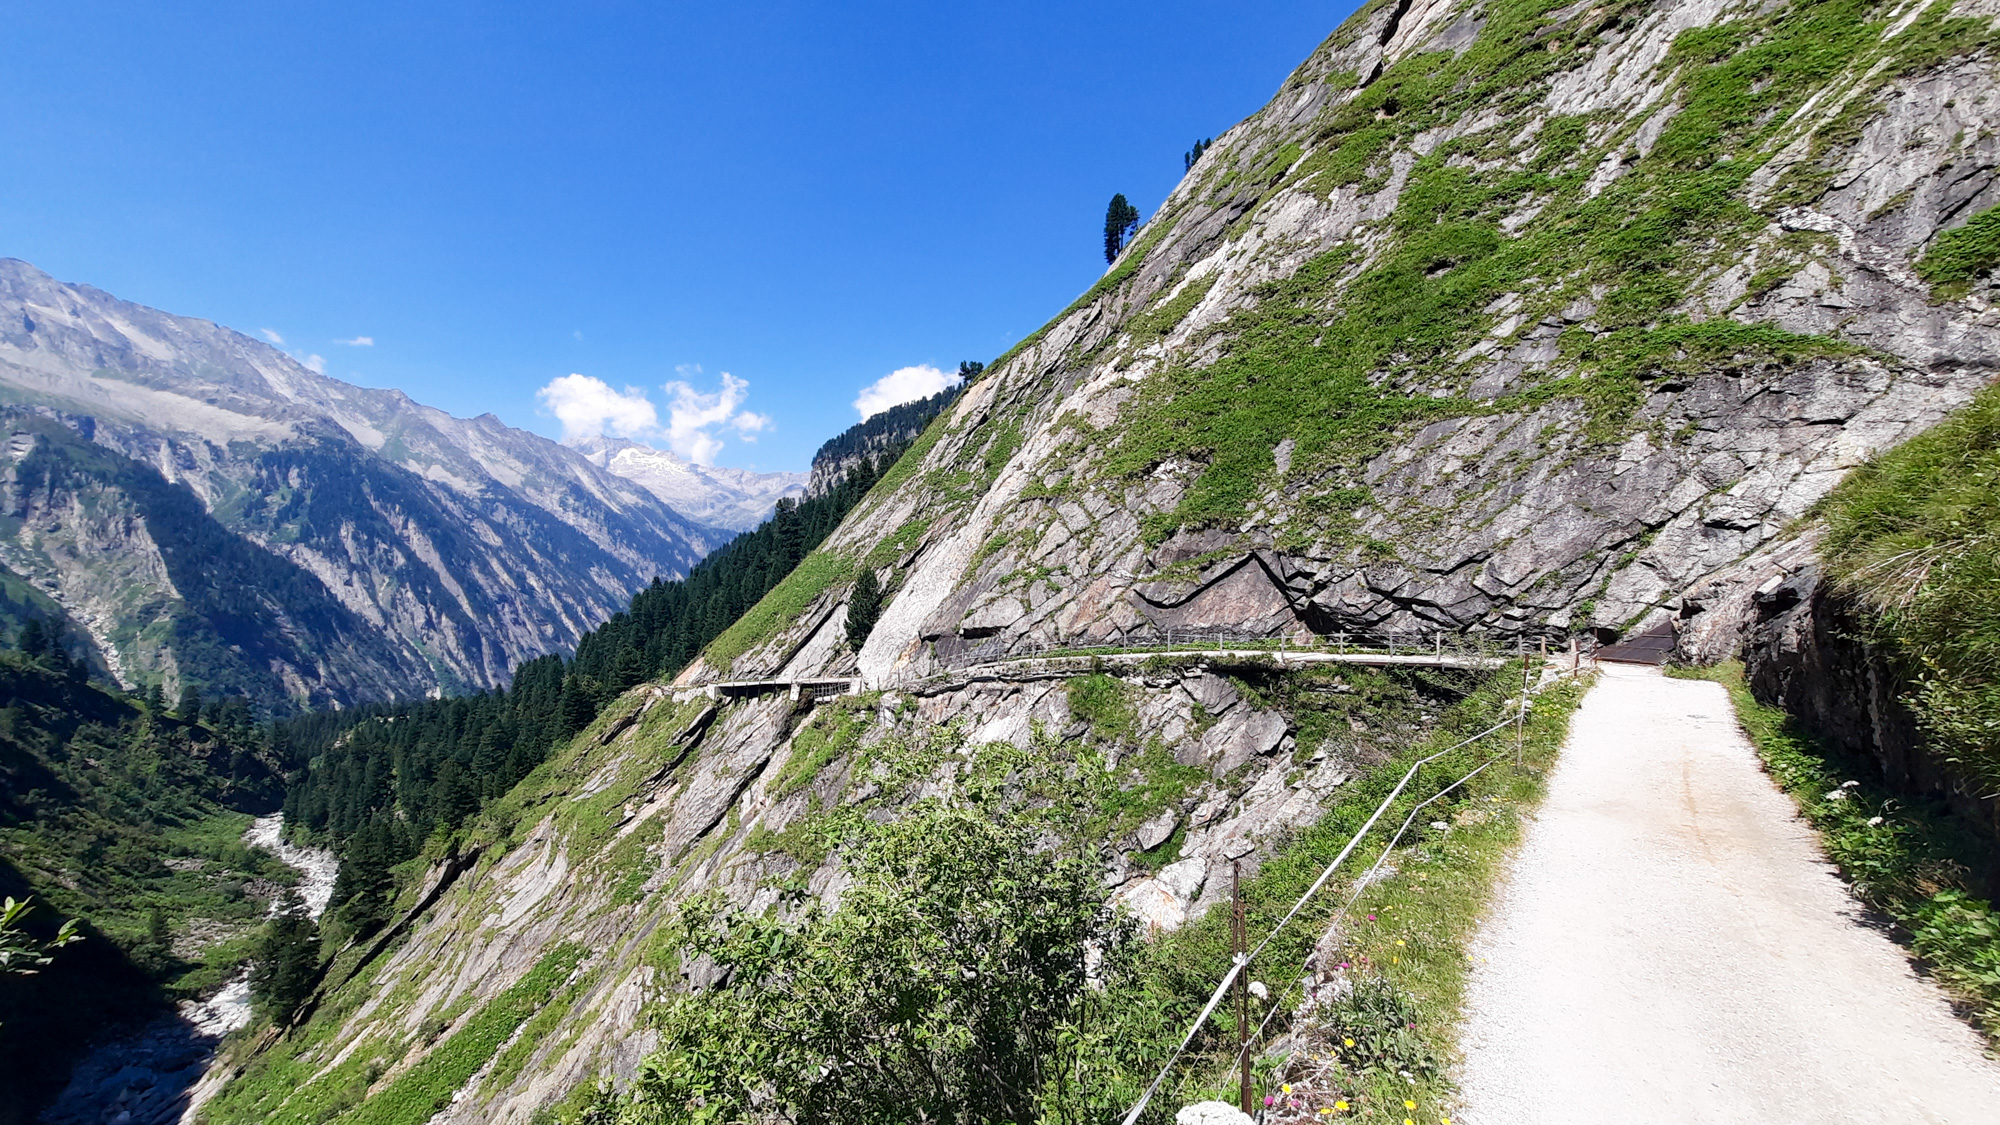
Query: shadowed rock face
1439	337
457	547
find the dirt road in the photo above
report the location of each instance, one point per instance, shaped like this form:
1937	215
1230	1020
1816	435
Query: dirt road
1671	946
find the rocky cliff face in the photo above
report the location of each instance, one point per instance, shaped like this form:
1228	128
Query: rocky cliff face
462	545
1503	316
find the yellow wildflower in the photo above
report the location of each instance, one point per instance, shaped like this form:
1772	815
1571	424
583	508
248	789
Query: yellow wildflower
1287	1087
1408	1104
1341	1106
1349	1042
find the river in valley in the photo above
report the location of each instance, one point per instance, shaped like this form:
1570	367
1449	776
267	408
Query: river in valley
150	1077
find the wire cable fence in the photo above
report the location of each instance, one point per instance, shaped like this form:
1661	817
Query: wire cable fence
1428	642
1241	962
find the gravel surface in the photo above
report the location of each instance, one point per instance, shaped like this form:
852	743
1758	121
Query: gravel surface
1670	945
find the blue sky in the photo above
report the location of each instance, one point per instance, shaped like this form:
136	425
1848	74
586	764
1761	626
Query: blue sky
500	195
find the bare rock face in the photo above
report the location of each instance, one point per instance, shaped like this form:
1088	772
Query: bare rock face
1239	737
1560	440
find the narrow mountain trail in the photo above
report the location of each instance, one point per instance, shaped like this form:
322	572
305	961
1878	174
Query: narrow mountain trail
1671	945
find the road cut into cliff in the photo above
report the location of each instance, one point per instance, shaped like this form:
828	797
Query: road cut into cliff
1671	945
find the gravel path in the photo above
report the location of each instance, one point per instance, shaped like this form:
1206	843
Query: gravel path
1670	945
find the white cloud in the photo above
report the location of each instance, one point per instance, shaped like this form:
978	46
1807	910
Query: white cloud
358	342
272	335
904	384
693	414
315	364
588	407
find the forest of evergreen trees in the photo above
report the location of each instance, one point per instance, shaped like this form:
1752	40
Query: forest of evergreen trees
892	429
380	779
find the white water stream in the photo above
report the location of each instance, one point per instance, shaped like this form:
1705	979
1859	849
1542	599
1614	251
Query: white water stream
150	1078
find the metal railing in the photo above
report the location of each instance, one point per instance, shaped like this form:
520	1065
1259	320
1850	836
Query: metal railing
1436	642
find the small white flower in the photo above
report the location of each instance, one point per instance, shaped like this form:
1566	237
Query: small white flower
1258	990
1874	822
1837	795
1850	784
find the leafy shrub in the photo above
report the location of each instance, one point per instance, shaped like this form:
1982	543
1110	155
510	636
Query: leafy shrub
1380	1021
1911	535
948	985
1104	702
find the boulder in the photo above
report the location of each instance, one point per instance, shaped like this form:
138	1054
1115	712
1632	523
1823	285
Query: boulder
1240	737
1211	1113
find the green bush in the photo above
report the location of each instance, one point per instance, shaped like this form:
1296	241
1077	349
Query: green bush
1911	535
949	985
1960	256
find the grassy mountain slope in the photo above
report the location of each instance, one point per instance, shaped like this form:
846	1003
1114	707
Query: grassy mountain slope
1507	316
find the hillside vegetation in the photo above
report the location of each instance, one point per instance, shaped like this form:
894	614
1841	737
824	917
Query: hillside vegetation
380	779
129	820
1510	319
1914	535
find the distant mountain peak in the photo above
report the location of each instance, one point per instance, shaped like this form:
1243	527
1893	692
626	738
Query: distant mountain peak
735	499
464	545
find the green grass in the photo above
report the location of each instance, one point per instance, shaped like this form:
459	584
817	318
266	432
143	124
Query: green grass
414	1096
1961	256
775	612
1104	702
1156	781
1911	537
283	1083
1414	946
1161	318
832	733
1907	858
1344	357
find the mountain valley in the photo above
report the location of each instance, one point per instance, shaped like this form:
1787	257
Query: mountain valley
1506	331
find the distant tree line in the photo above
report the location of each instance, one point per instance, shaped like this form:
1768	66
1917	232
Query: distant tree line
1193	156
382	778
895	427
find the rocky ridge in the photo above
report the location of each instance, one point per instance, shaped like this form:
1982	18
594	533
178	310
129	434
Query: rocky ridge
463	545
1503	317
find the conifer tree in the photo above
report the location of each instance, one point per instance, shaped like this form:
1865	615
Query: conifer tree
287	960
189	709
1120	220
34	639
863	607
